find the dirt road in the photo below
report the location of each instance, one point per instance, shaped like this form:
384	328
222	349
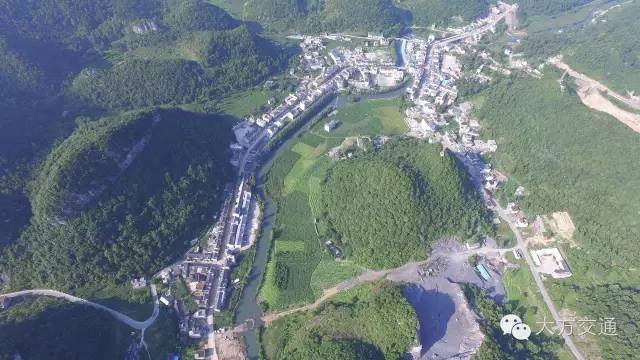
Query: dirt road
592	94
408	273
139	325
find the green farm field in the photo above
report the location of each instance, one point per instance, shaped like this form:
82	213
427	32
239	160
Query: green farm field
300	265
368	118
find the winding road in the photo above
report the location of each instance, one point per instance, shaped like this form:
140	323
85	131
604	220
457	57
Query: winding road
138	325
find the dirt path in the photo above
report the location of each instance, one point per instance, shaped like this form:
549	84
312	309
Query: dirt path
367	276
403	274
592	94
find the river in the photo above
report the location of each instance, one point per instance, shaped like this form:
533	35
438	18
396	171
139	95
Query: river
249	308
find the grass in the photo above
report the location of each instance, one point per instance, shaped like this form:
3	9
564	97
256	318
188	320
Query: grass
371	117
294	182
329	272
289	246
522	291
244	103
550	22
504	235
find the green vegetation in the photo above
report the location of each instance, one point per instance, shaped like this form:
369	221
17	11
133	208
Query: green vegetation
196	15
300	265
605	49
369	118
137	304
294	183
241	272
355	324
320	15
97	217
162	337
559	149
210	64
496	345
528	8
327	271
444	12
387	207
52	329
63	59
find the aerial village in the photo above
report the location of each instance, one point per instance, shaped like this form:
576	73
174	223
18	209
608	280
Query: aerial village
429	73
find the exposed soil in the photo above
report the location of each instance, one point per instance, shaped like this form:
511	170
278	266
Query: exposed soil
591	93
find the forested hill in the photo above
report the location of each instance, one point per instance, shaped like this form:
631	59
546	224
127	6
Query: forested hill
443	12
386	208
121	197
62	59
326	15
218	62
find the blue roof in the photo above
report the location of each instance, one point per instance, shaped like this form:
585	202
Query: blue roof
483	272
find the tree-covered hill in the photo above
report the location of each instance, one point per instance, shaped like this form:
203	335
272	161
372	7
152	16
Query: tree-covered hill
60	59
387	207
443	12
326	15
196	15
220	62
372	321
140	185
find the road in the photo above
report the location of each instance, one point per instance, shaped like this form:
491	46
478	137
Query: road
138	325
538	280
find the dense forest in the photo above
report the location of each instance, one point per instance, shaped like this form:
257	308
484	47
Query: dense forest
443	12
353	325
547	7
582	162
387	207
121	197
60	59
219	62
326	15
52	329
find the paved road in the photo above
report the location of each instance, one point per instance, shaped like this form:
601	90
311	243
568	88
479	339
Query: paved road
536	276
139	325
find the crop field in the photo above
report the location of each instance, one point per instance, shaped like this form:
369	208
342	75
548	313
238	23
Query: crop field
300	266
